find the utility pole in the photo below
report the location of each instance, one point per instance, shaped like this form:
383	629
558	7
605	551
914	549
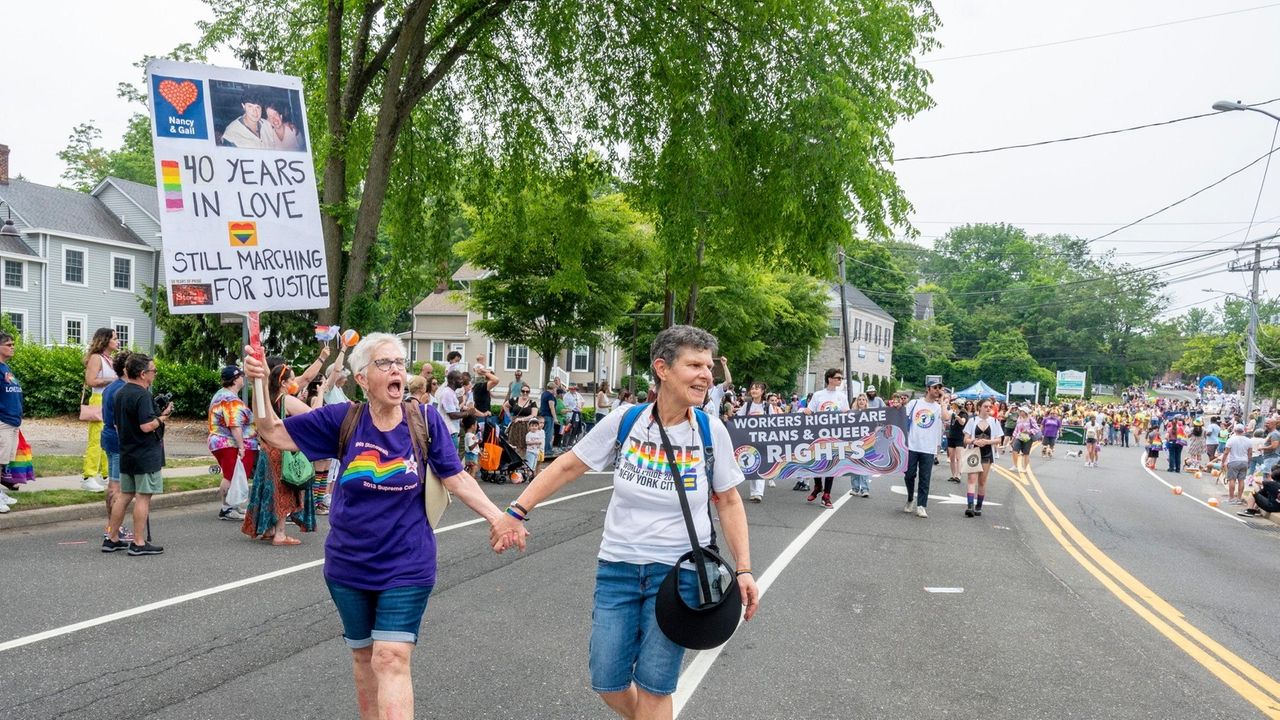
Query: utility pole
1251	339
844	334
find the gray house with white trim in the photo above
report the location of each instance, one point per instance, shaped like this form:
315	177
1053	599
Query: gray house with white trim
82	260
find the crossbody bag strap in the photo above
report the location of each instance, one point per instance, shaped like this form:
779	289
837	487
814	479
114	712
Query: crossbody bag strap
699	566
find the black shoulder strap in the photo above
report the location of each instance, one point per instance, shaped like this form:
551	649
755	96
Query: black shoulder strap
700	567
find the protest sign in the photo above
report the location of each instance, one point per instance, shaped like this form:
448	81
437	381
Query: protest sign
822	444
239	212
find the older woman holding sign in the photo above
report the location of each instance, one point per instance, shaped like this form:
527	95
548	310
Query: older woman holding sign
380	556
634	659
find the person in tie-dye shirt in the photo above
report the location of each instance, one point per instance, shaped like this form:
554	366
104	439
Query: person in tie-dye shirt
231	437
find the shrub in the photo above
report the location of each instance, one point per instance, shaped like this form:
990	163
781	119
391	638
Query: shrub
642	385
192	386
51	378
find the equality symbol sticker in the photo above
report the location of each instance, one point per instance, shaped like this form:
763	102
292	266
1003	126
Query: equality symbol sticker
243	234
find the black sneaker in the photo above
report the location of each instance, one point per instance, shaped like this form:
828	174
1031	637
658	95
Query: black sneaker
953	479
801	485
1249	512
109	546
147	549
968	512
977	512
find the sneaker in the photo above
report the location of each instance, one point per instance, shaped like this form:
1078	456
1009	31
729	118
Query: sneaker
968	512
230	513
826	501
853	492
977	512
953	479
909	507
755	499
813	495
91	485
1249	512
108	546
147	549
3	508
801	485
920	512
866	493
773	483
7	500
322	509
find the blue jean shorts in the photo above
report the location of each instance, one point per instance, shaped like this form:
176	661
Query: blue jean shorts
392	615
627	646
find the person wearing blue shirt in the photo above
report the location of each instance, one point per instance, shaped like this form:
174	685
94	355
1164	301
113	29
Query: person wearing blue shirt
110	439
10	412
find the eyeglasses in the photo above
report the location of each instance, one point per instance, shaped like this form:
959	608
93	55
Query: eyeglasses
385	364
837	377
524	392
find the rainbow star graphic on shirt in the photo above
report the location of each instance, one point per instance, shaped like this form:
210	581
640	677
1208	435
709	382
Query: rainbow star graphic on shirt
369	466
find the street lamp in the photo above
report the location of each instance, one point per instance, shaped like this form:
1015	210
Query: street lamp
1251	363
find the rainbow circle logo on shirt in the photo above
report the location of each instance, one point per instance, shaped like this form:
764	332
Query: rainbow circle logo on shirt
924	418
827	406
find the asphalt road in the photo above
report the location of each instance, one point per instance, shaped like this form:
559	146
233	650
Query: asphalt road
1085	593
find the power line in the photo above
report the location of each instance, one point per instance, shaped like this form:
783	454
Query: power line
1073	138
1083	38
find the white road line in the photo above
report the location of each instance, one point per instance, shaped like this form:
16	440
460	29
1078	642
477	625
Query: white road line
702	662
1142	461
85	624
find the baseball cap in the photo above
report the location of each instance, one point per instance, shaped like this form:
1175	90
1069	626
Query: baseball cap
871	388
231	372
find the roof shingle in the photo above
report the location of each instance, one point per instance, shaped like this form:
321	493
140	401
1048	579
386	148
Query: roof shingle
69	211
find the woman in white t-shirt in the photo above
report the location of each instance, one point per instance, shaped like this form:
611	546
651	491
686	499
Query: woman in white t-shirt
645	533
757	405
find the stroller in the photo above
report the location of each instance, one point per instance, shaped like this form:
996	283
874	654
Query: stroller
510	466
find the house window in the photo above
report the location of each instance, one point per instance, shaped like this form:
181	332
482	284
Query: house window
862	351
877	334
73	328
121	274
437	351
581	361
15	275
867	332
517	357
833	327
881	356
73	266
888	335
857	328
19	320
124	331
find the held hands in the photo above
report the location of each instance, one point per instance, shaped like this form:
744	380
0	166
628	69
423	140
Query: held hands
506	532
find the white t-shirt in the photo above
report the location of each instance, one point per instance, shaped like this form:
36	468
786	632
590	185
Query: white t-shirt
924	432
1211	433
447	401
829	401
751	407
1238	449
715	398
644	523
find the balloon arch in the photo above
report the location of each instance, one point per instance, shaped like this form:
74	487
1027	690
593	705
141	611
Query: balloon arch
1210	379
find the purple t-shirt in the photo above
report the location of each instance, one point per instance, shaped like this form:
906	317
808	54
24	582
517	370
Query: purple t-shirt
379	537
1051	425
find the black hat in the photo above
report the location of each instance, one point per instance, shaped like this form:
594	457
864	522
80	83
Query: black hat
703	627
231	372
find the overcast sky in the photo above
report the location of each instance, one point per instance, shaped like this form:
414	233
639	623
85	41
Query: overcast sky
1083	188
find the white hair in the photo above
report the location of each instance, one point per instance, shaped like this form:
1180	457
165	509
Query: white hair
362	355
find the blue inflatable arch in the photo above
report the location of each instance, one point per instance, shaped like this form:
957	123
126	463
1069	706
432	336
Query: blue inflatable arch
1210	379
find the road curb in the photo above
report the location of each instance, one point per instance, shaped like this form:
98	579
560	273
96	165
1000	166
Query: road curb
88	511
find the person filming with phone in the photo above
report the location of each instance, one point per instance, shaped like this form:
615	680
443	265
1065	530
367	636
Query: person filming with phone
140	424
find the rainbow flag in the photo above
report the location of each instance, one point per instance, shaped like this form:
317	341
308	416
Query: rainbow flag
325	333
171	177
21	471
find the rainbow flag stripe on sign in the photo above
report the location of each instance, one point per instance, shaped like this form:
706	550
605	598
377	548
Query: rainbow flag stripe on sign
172	178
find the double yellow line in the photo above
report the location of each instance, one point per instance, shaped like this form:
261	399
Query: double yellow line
1251	683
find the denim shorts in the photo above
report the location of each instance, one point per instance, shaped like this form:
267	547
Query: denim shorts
392	615
626	643
113	466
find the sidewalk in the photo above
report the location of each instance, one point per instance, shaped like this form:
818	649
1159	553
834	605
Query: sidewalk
19	518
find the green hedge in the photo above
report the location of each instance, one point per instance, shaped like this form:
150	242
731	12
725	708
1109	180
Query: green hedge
52	378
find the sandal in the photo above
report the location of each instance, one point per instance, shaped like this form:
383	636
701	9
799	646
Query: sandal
286	540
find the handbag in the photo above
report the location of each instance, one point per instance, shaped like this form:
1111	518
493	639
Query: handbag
490	452
712	622
971	460
295	469
89	413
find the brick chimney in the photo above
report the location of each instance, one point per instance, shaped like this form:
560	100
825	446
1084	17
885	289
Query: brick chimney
4	164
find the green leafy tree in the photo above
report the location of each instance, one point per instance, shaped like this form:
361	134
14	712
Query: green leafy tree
88	163
553	249
749	131
870	267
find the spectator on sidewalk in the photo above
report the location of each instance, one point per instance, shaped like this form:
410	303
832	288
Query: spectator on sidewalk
231	436
97	376
110	438
513	390
1265	499
10	412
141	428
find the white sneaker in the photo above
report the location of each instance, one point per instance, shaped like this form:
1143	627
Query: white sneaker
773	484
909	507
91	485
3	508
920	513
7	500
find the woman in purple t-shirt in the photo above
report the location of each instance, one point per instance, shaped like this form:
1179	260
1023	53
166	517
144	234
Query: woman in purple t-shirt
380	555
1052	423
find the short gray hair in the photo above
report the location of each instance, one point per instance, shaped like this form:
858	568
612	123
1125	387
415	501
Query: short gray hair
362	355
668	343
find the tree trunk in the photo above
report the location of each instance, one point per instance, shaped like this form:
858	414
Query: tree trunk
691	309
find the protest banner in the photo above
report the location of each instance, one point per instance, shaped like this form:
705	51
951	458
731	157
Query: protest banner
239	212
822	444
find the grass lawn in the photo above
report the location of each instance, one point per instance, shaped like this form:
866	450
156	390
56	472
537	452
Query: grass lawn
54	465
